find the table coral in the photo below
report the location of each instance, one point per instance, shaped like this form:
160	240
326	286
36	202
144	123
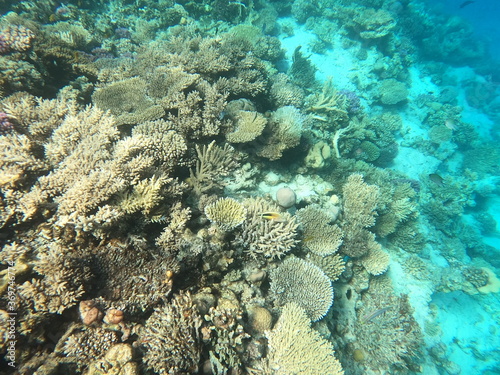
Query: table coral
295	348
374	23
303	283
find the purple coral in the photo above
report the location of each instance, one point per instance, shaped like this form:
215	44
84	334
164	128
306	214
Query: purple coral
353	102
5	125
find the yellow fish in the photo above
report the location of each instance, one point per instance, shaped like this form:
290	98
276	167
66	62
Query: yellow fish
273	216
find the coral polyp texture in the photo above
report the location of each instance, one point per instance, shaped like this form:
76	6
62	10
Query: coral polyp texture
226	213
296	348
261	236
320	237
303	283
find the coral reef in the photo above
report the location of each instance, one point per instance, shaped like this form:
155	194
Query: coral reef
171	337
294	347
320	237
226	213
259	236
303	283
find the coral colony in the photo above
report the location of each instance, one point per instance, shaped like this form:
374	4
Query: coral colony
244	188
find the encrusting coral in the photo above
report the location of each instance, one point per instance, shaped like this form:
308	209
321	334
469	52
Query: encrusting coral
303	283
296	348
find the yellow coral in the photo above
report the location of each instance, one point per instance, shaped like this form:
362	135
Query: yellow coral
376	261
295	348
226	213
249	125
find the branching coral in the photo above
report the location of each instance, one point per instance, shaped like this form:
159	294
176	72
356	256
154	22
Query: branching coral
171	338
226	213
376	261
295	348
303	283
260	236
249	125
320	237
284	131
360	202
128	101
391	339
65	279
213	163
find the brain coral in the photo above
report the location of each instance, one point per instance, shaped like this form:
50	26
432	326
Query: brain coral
301	282
226	213
295	348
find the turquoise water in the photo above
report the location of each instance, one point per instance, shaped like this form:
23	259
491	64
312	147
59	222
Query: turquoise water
250	187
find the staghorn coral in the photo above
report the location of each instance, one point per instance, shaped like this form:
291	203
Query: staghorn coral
260	236
170	338
303	283
249	125
65	279
213	163
295	348
226	213
320	237
329	105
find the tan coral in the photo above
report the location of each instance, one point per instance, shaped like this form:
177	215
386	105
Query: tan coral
260	236
320	237
127	100
284	131
332	265
301	282
226	213
376	262
249	125
296	348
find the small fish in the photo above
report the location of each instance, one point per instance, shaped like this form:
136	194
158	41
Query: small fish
450	124
465	3
437	179
273	216
374	314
